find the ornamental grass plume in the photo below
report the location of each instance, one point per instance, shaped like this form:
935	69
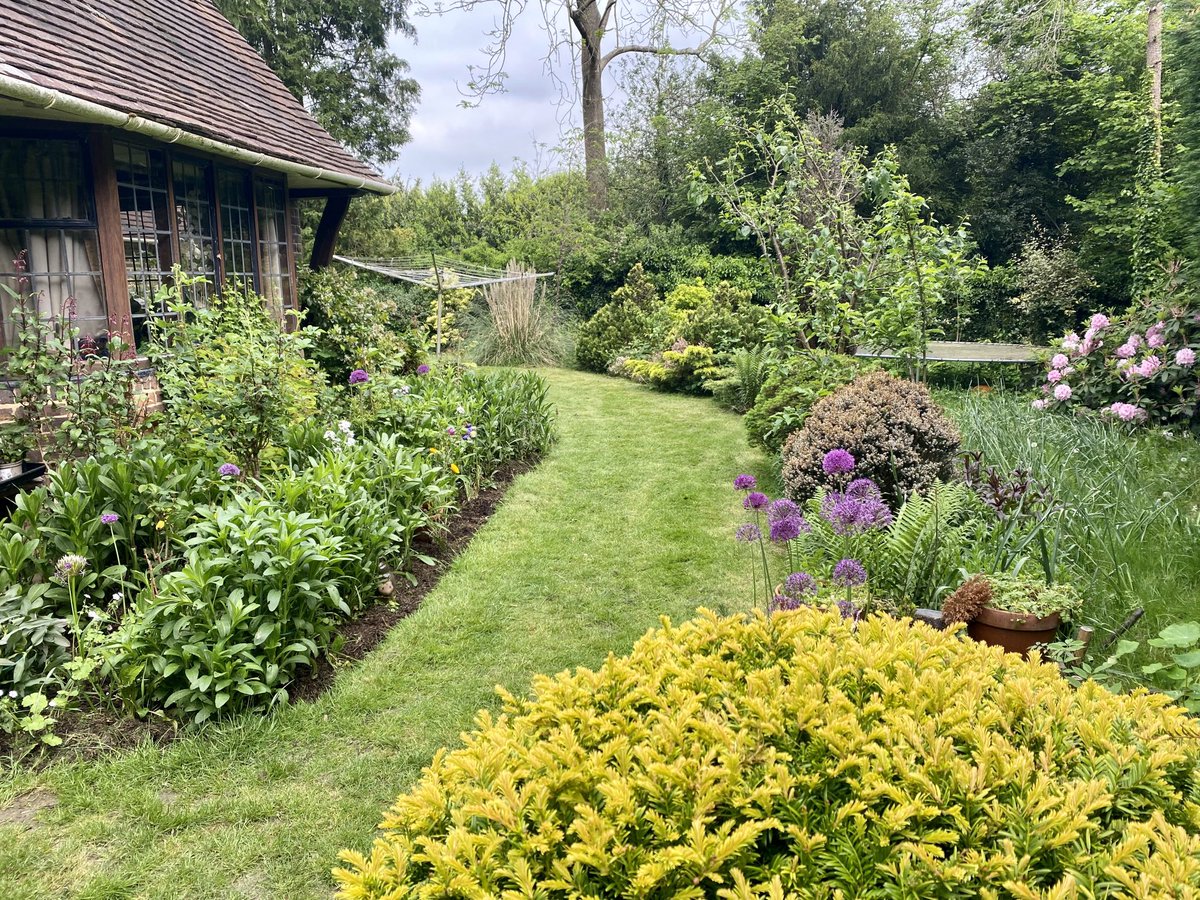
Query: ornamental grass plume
968	601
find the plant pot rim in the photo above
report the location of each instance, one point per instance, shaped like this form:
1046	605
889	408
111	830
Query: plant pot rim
999	618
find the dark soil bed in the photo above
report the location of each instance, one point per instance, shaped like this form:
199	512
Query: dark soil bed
89	734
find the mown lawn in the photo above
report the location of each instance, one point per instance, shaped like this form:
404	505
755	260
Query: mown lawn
629	518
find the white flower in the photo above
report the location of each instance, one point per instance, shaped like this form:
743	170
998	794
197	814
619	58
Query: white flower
349	440
118	597
331	436
12	694
344	426
461	411
93	615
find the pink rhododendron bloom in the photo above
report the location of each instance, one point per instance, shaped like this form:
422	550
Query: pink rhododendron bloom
1126	412
1149	366
1154	337
1060	361
1185	357
1089	344
1126	350
1040	403
1062	392
1071	342
1054	376
1098	322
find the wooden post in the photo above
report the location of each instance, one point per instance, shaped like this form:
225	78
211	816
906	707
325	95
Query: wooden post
112	244
438	274
336	207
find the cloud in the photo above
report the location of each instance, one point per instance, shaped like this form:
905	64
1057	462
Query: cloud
504	127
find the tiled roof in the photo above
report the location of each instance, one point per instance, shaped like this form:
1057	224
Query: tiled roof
176	62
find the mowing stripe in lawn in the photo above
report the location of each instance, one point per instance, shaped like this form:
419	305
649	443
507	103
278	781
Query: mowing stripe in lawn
629	517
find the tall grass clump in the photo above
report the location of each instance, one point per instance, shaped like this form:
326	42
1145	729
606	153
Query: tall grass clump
519	327
1131	501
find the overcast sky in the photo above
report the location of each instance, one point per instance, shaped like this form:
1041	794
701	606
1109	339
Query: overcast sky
504	127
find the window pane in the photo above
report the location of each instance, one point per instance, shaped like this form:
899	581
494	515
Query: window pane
194	217
145	226
273	246
44	179
237	227
48	220
63	271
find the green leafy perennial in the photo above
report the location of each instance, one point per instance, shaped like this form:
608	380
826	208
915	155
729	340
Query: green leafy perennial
800	756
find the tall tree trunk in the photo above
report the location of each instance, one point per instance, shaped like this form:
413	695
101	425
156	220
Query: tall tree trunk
1154	63
588	23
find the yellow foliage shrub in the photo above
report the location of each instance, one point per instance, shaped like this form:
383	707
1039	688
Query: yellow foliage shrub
796	756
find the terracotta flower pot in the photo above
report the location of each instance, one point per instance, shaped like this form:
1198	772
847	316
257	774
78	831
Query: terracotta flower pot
1014	632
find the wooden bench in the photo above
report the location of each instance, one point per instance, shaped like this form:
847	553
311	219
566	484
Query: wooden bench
965	351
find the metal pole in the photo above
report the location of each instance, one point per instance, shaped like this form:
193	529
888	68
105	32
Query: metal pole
437	273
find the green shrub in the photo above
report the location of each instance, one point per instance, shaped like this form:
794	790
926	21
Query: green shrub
803	756
232	379
740	383
791	388
619	326
685	368
898	436
354	323
259	597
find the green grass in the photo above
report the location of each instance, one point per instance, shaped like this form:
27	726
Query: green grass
1131	502
630	517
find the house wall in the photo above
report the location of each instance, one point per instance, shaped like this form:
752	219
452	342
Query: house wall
166	207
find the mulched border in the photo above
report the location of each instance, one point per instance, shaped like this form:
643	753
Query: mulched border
91	734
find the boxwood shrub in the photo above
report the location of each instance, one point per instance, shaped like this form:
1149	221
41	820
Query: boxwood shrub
801	756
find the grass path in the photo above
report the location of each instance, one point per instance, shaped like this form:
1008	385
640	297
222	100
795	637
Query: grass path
630	517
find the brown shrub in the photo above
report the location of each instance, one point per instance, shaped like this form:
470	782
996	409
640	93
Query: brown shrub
968	601
899	438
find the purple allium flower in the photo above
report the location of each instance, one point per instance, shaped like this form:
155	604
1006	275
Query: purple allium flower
229	470
781	509
755	500
359	376
422	369
1060	361
788	529
110	518
857	509
748	533
838	462
784	603
849	573
745	483
848	609
1185	357
799	584
1062	392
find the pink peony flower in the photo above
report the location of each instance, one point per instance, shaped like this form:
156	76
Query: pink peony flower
1185	357
1060	361
1054	376
1062	392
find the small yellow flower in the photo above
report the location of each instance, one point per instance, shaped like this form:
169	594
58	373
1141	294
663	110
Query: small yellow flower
160	525
454	468
434	450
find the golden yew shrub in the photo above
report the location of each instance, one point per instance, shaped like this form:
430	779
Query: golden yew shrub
795	756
